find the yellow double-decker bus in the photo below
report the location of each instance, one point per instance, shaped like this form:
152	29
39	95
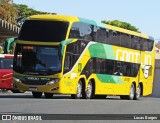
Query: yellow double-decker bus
57	54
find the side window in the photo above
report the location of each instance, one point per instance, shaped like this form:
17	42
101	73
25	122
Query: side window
67	62
100	63
109	66
81	30
89	69
70	48
144	43
77	48
72	55
147	45
150	45
75	33
135	43
114	38
125	40
118	68
101	34
110	37
82	45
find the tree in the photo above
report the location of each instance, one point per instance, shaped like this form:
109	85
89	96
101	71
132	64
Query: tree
121	24
8	11
24	11
16	13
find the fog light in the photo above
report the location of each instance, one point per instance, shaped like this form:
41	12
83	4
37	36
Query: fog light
56	88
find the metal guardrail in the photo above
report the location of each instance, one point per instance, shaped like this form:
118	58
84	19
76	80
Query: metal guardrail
8	30
11	27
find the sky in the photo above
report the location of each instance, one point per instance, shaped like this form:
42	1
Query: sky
143	14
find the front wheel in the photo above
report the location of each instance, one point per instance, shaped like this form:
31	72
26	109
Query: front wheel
78	94
48	95
37	94
17	91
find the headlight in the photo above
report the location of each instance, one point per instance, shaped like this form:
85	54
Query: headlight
52	82
16	79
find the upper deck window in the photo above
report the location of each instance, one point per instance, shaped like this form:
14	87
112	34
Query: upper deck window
43	31
82	31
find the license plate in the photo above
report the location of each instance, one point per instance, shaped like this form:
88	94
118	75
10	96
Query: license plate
32	89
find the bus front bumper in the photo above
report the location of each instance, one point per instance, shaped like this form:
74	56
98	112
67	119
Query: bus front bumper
57	88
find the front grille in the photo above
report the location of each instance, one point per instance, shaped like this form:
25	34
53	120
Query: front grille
31	82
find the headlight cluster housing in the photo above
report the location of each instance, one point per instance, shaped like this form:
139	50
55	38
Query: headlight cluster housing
54	81
17	80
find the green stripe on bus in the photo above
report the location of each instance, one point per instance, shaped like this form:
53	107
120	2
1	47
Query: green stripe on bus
109	52
109	79
97	50
100	50
87	21
102	25
63	43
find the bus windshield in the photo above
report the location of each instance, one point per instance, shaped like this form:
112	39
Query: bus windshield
37	60
43	31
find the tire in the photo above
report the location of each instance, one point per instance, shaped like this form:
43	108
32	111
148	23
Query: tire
37	94
78	94
131	95
17	91
138	93
90	91
48	95
132	92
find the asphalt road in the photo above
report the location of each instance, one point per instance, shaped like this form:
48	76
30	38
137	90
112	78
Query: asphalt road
60	104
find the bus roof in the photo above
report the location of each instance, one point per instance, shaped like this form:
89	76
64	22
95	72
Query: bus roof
79	19
54	17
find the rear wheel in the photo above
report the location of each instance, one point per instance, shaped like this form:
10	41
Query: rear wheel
78	94
37	94
48	95
138	93
132	92
89	91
